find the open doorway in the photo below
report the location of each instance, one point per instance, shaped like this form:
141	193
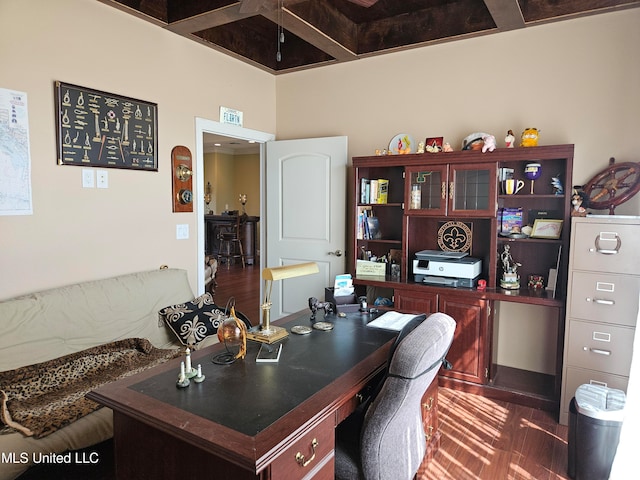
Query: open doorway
230	137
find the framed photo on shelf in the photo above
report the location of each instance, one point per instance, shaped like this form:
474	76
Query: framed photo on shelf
546	228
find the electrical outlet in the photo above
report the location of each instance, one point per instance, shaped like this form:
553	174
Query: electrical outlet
88	180
103	178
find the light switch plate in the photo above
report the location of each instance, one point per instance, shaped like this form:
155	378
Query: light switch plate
88	179
182	231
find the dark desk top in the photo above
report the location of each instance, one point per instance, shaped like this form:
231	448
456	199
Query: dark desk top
248	397
245	410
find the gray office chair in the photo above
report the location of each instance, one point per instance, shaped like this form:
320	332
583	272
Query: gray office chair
386	441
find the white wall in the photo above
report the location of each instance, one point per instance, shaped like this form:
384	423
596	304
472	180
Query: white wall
78	234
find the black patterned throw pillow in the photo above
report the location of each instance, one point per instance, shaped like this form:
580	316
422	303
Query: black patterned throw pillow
196	320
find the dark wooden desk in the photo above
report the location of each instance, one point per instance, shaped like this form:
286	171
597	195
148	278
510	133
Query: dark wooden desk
248	234
247	420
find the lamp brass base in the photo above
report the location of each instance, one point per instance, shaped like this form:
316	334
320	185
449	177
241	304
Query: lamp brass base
267	336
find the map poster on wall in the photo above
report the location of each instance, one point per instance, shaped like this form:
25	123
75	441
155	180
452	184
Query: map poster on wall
99	129
15	157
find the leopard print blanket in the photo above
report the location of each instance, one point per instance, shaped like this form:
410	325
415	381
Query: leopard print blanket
39	399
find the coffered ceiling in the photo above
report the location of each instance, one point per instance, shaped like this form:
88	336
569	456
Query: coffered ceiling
321	32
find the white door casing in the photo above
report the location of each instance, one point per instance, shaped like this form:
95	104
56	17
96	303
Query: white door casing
209	126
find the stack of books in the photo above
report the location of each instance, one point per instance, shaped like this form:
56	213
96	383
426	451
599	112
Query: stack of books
368	225
374	191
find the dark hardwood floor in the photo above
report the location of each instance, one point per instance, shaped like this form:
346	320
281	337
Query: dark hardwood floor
242	285
482	439
495	440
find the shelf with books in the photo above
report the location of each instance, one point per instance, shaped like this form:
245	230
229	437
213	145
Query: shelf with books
427	191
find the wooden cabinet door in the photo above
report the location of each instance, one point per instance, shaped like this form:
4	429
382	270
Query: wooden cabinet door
469	351
414	302
426	190
472	190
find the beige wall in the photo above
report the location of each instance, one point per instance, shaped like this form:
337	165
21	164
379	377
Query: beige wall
77	234
576	80
230	175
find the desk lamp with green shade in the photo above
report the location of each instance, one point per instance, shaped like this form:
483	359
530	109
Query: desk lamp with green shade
267	333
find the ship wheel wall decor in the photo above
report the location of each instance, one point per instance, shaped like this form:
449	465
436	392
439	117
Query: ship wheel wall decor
613	186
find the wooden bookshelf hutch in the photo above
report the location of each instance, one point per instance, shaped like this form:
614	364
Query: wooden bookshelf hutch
464	186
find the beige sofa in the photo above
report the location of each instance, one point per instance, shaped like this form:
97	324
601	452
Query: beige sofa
53	323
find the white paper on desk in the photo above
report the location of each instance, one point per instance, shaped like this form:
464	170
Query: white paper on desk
392	321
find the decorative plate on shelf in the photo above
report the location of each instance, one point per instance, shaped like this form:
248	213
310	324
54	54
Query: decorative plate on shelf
401	144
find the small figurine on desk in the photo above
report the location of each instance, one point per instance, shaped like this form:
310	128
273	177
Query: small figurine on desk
190	372
199	378
183	381
315	305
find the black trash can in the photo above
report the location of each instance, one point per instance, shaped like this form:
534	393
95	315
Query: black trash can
595	421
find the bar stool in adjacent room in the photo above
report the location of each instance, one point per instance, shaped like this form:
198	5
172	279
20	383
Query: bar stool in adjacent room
231	242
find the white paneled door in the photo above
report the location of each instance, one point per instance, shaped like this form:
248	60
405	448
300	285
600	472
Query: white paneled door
305	216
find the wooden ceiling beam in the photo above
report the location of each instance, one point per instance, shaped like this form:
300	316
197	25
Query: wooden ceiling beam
211	19
506	14
251	6
312	35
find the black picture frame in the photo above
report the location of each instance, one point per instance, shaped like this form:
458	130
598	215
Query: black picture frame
100	129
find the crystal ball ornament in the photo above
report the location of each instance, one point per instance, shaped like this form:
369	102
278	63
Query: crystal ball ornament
532	171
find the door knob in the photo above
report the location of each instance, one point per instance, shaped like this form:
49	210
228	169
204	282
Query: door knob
337	253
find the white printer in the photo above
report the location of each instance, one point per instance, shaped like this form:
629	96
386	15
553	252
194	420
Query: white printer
453	269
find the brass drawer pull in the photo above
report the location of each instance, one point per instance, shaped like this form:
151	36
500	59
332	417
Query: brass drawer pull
300	457
428	405
430	434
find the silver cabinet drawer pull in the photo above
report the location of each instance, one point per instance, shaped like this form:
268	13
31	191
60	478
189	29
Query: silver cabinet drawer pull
601	301
608	236
597	350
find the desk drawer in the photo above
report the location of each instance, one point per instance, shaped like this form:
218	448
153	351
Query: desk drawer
605	247
310	456
604	297
601	347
